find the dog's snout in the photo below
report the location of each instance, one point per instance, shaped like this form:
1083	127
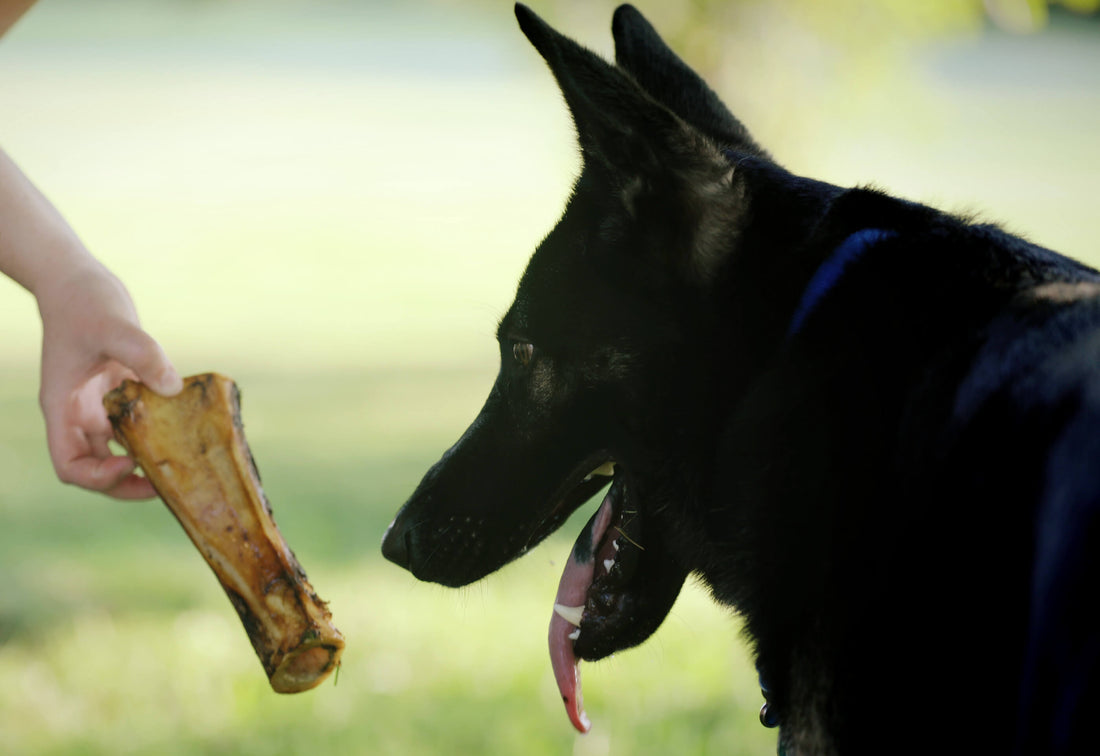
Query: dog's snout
395	545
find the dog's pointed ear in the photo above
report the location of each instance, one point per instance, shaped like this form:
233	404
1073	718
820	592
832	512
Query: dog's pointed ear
618	123
640	51
665	170
607	107
674	182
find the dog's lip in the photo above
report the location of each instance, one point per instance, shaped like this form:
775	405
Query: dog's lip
588	477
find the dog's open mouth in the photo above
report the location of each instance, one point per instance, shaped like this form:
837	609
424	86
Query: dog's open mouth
619	583
602	562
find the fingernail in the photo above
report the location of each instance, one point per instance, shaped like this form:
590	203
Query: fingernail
170	382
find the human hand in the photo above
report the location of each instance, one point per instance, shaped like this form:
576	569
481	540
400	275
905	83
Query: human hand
91	341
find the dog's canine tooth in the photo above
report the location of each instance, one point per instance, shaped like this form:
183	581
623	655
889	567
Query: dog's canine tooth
608	564
575	634
615	544
607	469
571	614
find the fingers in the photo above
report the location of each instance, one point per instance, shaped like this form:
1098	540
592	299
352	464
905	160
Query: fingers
82	457
132	488
141	353
91	341
113	476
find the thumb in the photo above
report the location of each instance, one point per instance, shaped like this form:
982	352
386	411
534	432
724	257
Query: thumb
140	352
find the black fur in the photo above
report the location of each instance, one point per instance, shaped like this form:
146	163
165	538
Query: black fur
900	497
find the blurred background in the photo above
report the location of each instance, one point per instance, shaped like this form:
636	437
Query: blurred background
331	202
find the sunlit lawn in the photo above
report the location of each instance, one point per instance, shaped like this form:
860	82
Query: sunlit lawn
316	235
116	638
340	237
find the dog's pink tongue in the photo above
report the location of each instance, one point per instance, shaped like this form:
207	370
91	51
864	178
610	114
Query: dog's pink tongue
572	592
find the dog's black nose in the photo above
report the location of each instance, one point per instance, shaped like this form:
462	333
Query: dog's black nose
395	545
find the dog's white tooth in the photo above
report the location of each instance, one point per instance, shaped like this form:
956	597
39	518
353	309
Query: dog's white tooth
608	564
575	634
607	468
571	614
615	543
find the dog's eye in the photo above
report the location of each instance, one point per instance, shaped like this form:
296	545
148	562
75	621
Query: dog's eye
523	352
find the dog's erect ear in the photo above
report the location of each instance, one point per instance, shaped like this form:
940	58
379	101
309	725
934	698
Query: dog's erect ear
641	51
618	124
656	159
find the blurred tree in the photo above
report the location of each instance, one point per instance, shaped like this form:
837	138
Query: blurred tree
702	29
784	65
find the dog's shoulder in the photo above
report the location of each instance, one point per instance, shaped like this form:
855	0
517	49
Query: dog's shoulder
1039	351
881	270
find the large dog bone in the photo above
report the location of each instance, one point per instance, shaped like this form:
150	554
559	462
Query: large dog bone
193	450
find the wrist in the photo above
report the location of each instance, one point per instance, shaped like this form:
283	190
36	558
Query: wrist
79	288
58	272
56	261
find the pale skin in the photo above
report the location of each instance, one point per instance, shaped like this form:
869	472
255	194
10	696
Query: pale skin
91	336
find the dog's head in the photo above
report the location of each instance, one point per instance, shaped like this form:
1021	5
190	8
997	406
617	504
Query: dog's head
606	341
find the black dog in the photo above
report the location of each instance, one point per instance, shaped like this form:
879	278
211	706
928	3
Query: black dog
871	427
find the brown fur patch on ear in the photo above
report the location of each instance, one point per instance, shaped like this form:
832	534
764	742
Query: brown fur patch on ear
715	202
721	204
695	195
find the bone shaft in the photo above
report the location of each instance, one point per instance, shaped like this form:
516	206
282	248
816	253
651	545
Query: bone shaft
193	450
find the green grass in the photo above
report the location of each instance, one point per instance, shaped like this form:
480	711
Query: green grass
339	232
115	638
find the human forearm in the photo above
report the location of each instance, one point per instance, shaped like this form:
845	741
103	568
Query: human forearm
36	244
91	337
10	11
